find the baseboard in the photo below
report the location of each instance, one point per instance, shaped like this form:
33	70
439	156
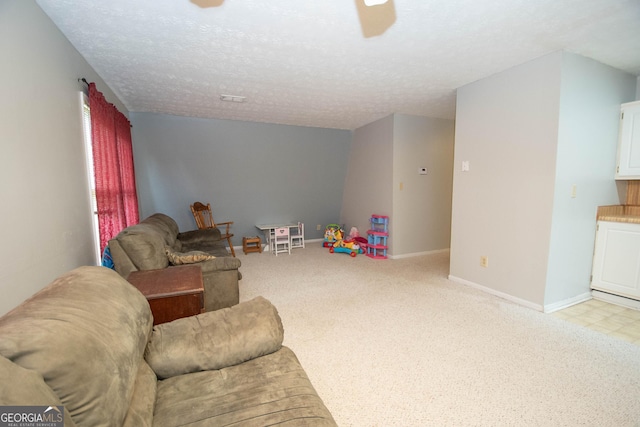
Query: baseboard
502	295
415	254
266	248
616	299
560	305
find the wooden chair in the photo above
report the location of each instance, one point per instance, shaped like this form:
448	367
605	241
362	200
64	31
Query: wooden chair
204	219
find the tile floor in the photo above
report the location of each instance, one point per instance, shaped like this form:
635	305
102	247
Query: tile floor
604	317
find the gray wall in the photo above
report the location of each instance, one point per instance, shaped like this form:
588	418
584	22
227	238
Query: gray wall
530	133
422	208
46	213
383	179
251	173
368	188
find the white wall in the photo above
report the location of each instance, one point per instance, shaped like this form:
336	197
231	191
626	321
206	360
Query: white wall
46	214
591	94
422	207
506	128
530	133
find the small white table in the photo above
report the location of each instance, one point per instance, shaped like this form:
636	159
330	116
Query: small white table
268	229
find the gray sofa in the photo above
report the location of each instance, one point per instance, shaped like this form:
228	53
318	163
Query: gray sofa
150	244
86	342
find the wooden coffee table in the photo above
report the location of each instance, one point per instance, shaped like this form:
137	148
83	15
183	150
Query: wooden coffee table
172	292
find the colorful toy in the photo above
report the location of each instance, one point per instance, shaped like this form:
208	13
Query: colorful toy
378	234
351	252
335	241
354	234
349	245
332	234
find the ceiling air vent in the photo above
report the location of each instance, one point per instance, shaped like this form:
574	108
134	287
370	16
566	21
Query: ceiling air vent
233	98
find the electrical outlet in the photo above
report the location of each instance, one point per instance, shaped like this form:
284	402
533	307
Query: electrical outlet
319	227
484	261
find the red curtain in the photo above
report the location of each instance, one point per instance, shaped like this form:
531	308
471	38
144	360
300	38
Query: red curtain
127	172
116	196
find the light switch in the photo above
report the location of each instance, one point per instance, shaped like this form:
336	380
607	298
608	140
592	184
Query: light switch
465	166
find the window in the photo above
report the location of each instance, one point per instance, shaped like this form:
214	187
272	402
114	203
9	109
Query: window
86	128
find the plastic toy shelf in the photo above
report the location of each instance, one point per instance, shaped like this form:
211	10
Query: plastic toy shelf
377	251
377	237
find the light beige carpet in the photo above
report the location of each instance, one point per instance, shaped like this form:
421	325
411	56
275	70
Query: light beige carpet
394	343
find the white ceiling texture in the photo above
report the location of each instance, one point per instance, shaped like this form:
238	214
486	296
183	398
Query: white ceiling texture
318	62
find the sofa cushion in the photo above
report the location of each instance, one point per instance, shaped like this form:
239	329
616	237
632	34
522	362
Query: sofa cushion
27	388
165	226
218	249
199	237
191	257
269	390
85	334
215	339
145	246
207	240
140	412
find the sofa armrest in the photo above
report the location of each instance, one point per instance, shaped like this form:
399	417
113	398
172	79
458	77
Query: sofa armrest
220	264
196	237
121	261
221	276
216	339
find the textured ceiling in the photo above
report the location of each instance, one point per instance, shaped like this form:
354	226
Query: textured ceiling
309	63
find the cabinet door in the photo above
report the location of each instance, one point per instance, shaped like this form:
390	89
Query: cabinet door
629	142
616	260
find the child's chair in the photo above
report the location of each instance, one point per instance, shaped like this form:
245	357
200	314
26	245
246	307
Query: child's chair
281	241
297	237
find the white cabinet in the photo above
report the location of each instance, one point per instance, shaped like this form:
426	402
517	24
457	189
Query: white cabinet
628	163
616	260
